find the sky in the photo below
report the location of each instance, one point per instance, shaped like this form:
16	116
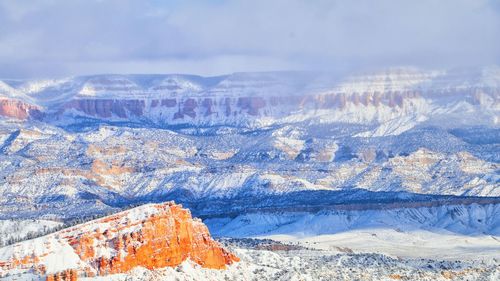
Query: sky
56	38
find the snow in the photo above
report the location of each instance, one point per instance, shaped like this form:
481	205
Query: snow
309	265
394	126
431	91
54	255
54	250
413	146
391	80
312	265
439	232
397	243
20	229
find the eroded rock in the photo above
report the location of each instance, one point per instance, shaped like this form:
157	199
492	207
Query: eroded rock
151	236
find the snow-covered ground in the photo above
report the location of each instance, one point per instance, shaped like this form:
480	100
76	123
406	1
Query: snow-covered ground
471	220
255	138
311	265
17	230
414	244
445	232
438	243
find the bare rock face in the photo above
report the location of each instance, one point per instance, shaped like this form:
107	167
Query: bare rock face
18	110
66	275
256	98
187	108
106	108
151	236
251	104
200	109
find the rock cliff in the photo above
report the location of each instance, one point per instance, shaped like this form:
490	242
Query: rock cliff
258	99
18	110
151	236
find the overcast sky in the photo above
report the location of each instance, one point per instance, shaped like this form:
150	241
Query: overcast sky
52	38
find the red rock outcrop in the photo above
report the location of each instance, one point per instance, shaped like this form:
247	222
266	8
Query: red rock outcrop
150	236
19	110
66	275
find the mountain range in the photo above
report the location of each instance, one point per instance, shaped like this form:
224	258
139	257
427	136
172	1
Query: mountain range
291	156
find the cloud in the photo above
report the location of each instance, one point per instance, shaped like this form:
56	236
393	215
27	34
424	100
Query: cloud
58	38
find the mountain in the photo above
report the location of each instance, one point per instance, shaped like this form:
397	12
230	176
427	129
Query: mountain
51	172
467	219
149	236
64	166
333	167
395	99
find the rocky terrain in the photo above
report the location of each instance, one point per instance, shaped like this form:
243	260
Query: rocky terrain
259	99
307	264
396	158
150	236
45	169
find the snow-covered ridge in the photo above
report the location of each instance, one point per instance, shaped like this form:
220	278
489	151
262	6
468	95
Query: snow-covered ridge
18	230
45	170
118	244
397	99
471	220
257	84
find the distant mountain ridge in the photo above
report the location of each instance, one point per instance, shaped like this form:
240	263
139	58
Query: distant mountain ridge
94	144
396	99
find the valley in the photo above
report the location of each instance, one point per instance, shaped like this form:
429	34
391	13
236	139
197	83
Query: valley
297	176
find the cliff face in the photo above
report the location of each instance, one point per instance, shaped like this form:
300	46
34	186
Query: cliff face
259	98
18	110
150	236
200	109
105	108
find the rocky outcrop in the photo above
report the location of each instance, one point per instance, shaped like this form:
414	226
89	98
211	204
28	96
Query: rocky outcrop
249	98
251	105
66	275
198	109
18	110
151	236
341	100
186	108
107	108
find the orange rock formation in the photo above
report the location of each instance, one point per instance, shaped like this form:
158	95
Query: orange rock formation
67	275
164	239
17	109
150	236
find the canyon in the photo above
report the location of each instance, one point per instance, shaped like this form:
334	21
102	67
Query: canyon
255	99
352	169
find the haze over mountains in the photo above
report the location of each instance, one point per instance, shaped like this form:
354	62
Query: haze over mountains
394	157
252	99
361	131
274	140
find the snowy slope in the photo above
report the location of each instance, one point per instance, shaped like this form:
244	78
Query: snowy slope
461	219
445	232
49	171
387	162
17	230
117	244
